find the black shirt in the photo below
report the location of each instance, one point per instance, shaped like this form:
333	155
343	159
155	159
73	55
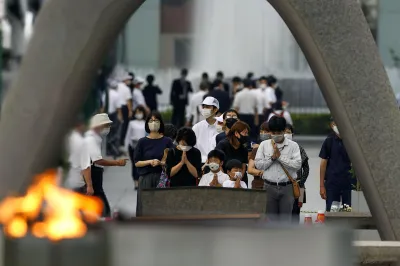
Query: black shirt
223	99
183	178
240	154
221	136
337	175
150	95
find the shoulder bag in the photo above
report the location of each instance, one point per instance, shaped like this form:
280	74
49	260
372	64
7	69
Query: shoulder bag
296	186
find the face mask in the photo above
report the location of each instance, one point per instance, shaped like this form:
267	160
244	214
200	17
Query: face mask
263	86
238	175
336	130
206	113
139	116
213	166
229	122
244	140
288	136
105	132
185	148
265	137
277	138
154	126
219	129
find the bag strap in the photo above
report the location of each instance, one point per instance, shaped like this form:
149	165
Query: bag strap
287	173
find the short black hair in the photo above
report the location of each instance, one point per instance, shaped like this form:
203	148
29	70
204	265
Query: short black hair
233	164
216	154
150	79
263	78
141	109
204	75
158	116
184	72
204	86
277	123
218	82
170	131
290	127
236	79
220	74
248	83
271	80
186	134
250	75
132	75
230	111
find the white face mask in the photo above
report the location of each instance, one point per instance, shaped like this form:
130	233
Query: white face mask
154	126
288	136
263	86
105	132
185	148
219	129
206	113
139	116
213	166
238	175
336	130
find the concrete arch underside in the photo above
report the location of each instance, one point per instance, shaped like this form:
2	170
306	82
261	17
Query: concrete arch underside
72	37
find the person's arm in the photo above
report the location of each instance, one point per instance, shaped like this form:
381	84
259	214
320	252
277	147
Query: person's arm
119	115
305	168
158	90
292	161
288	117
139	162
85	165
172	94
261	162
179	166
322	171
87	176
104	162
235	104
195	168
252	170
128	136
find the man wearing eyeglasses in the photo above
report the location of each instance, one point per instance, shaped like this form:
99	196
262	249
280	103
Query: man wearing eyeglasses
280	160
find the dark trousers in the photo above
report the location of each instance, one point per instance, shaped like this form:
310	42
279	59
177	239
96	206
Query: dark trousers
279	203
146	181
102	196
340	195
249	119
97	182
178	116
296	212
135	174
113	139
124	126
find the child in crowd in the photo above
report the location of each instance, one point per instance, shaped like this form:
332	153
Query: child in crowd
234	170
215	178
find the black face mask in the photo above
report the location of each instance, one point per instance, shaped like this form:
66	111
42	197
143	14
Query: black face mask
244	140
229	122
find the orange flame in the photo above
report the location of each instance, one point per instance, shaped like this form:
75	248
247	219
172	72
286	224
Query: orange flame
65	212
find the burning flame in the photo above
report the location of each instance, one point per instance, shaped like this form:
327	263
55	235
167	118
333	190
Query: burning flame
65	213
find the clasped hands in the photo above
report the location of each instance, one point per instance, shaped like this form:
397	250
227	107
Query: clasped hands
277	153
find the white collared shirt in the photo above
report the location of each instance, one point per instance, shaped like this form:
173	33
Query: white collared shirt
207	178
138	98
245	101
261	100
290	159
270	95
74	146
205	134
124	92
195	105
114	101
91	150
286	115
136	130
231	184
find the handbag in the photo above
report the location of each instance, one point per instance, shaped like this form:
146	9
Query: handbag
164	179
296	186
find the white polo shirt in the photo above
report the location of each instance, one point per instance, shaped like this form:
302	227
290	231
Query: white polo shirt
245	100
74	145
261	100
114	101
91	150
138	99
270	95
207	178
231	184
124	92
285	115
205	134
195	106
136	130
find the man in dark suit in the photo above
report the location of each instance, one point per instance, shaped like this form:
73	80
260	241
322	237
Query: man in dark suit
219	93
220	77
179	98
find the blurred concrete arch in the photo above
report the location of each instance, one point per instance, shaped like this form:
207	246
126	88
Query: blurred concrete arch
71	38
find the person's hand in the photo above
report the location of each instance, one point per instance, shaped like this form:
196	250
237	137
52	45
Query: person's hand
155	162
214	182
122	162
260	173
89	190
277	153
300	204
120	119
255	145
184	158
322	192
130	114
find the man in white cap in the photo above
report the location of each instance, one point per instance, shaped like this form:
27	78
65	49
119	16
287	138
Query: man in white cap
206	130
125	95
137	94
92	161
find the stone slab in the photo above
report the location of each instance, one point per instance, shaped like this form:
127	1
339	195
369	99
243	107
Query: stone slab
351	219
343	56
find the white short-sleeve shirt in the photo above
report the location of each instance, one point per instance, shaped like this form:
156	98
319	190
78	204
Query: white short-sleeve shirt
91	150
245	100
205	134
124	92
114	101
207	178
231	184
271	97
74	146
261	100
138	99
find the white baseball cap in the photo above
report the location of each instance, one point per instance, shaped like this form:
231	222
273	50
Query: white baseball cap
99	120
138	80
211	101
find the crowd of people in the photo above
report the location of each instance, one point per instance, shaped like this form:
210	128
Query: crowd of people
229	132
